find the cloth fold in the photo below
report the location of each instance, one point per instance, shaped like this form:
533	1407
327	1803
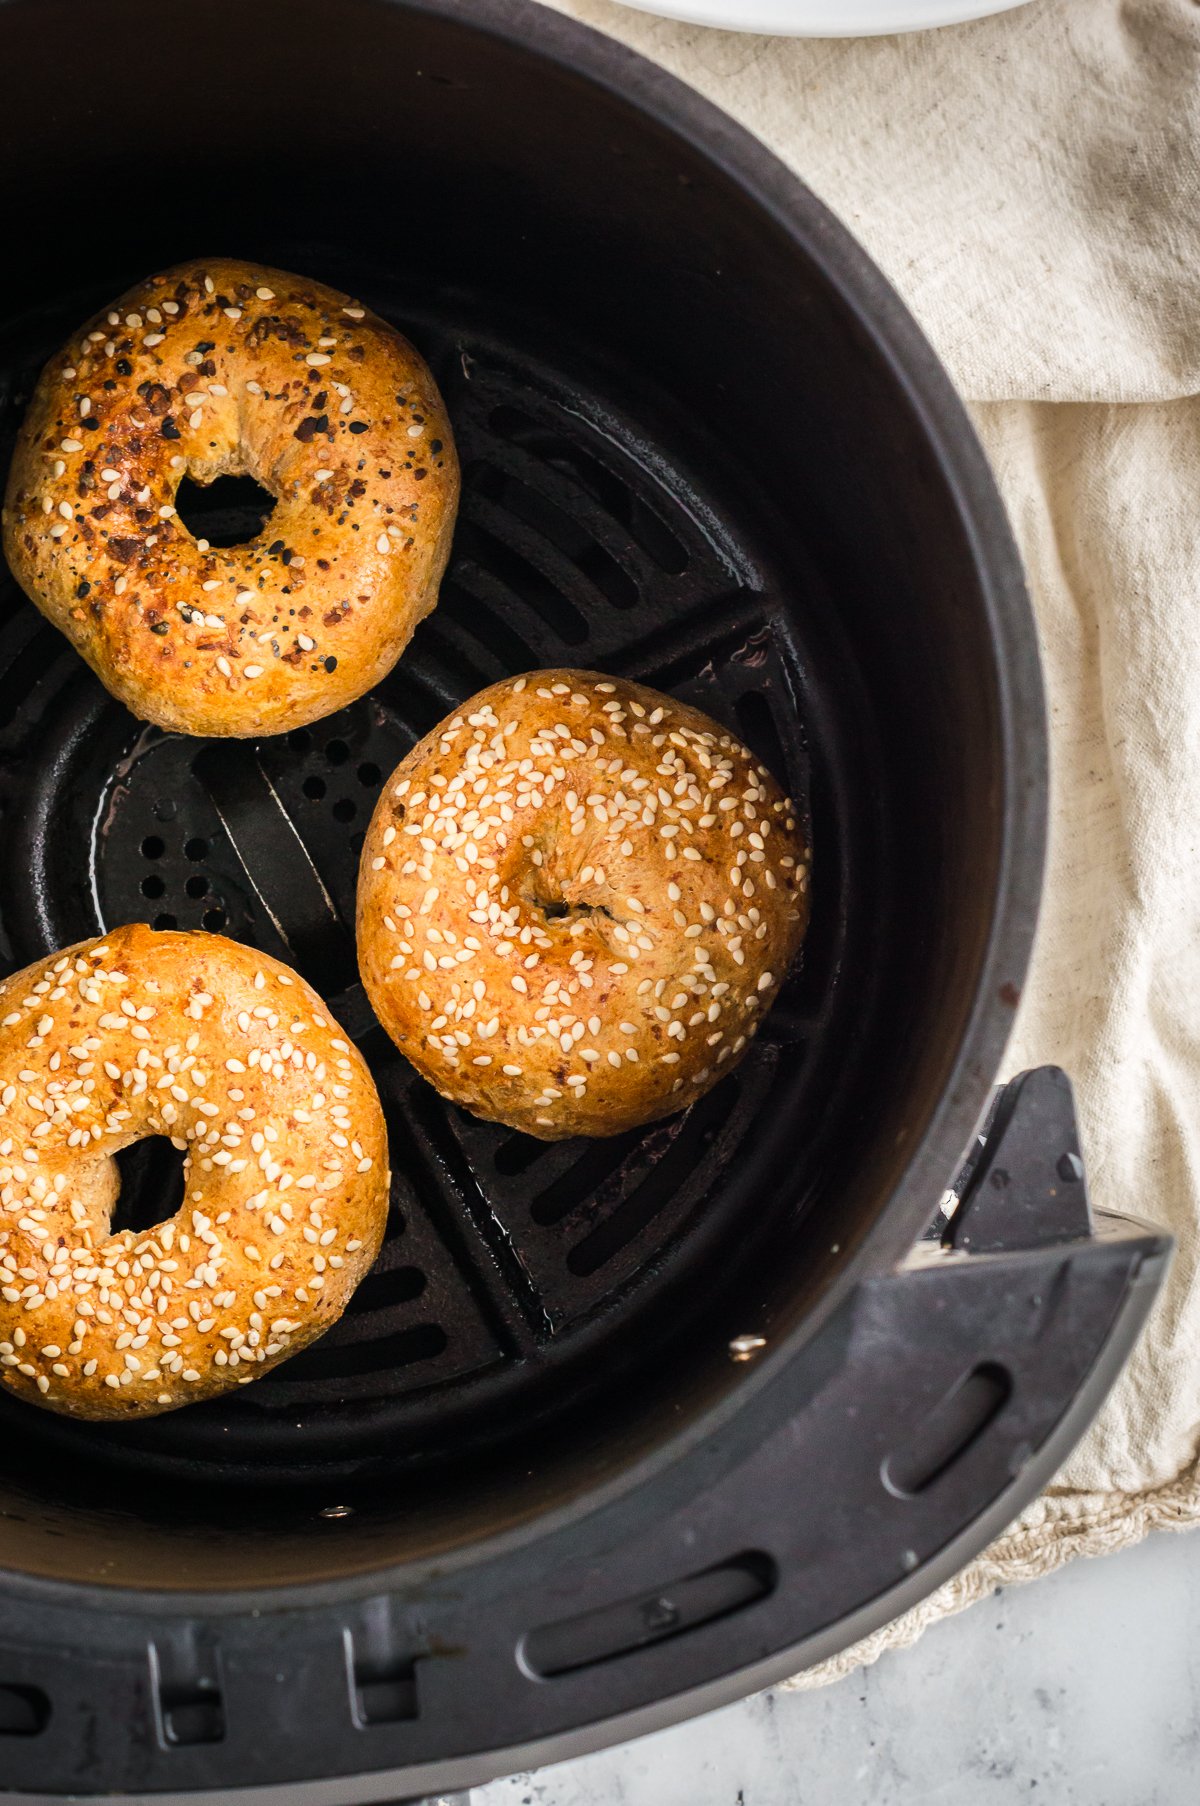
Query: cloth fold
1031	184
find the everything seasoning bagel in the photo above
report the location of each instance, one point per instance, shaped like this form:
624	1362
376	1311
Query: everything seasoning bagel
219	368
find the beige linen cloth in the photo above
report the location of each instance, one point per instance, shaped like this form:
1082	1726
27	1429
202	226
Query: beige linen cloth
1031	184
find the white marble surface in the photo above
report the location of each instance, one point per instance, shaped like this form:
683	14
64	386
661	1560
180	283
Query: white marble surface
1081	1690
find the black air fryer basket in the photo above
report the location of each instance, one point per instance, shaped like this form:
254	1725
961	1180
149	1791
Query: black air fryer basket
618	1429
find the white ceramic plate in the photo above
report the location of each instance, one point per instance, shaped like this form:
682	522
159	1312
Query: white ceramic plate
824	18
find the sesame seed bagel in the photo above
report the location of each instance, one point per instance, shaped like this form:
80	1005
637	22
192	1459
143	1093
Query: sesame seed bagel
233	1057
577	900
213	369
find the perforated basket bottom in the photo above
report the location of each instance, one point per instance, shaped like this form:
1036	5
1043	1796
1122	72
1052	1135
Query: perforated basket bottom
513	1271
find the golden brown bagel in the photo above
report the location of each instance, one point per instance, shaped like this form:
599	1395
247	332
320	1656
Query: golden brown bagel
235	1058
577	900
219	368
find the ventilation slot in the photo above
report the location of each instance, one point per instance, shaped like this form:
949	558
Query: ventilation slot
451	667
381	1692
383	1291
757	724
545	517
329	1362
188	1702
699	1130
24	1711
946	1433
470	616
517	1153
632	1624
523	579
22	667
645	527
583	1180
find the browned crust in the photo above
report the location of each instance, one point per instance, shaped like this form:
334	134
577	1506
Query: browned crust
231	1054
677	859
356	449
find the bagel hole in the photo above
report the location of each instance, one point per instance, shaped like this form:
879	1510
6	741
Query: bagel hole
229	511
554	909
152	1184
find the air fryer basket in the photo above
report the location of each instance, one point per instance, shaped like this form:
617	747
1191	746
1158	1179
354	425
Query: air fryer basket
510	1264
704	446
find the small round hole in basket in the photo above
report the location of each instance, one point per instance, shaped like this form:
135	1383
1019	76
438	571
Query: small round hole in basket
196	849
213	920
369	774
153	847
153	886
337	752
165	921
196	886
314	788
345	809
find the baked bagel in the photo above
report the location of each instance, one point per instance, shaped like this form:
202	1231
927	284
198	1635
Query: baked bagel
286	1183
214	369
577	900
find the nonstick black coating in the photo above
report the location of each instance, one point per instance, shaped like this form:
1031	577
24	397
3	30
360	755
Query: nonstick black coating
702	446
